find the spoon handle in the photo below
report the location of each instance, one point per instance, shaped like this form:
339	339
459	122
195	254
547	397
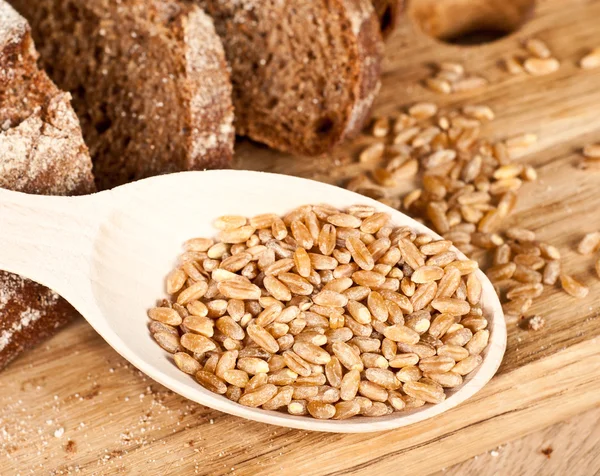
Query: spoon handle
50	239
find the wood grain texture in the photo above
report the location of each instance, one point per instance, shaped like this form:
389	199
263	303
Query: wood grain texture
132	425
78	389
569	447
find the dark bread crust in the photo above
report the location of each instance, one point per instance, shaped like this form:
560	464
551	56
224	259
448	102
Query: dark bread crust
149	82
388	12
29	314
207	88
41	148
370	53
304	73
41	151
45	154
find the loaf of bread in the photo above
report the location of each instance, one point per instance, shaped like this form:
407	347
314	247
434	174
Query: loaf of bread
388	12
304	73
149	82
41	151
153	94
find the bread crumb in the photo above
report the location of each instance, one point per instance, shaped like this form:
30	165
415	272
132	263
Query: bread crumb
71	447
547	451
535	323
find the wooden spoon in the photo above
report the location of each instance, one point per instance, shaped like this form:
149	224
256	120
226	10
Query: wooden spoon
108	254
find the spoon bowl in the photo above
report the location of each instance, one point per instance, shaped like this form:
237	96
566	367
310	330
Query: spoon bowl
108	254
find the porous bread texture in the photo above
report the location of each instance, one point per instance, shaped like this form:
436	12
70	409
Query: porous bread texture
388	12
304	74
41	147
45	153
41	151
29	314
149	82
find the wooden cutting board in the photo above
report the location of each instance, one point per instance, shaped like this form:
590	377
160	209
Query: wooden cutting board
75	405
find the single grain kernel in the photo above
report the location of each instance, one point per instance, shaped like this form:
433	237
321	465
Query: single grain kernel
573	287
589	243
541	66
591	60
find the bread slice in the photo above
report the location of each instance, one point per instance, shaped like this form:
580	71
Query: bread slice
41	151
149	81
41	147
29	314
304	73
388	12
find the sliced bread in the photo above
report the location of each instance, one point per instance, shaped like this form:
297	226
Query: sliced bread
41	151
41	148
149	82
304	73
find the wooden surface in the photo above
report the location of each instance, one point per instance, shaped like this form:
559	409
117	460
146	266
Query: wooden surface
569	447
78	389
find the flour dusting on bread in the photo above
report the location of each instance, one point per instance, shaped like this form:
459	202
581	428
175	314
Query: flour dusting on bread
149	81
42	152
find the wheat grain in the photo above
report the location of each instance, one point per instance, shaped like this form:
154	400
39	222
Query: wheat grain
428	392
513	65
439	85
540	67
469	84
165	315
538	48
591	60
372	153
168	341
423	110
592	151
589	243
573	287
307	292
